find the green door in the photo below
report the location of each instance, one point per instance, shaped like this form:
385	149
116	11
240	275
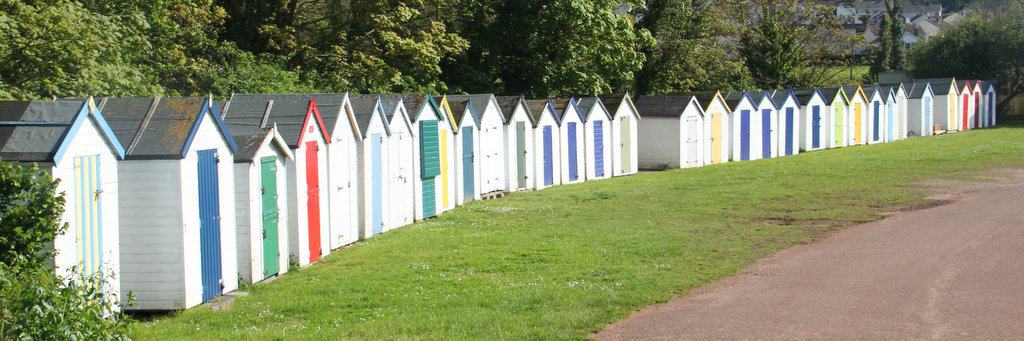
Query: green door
521	153
838	117
430	165
627	140
268	189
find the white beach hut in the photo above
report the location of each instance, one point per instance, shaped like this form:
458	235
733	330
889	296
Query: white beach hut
547	142
857	119
814	119
518	143
920	110
426	120
448	155
788	131
945	90
597	138
673	132
342	190
745	126
490	141
716	124
71	141
876	119
838	116
400	172
571	144
176	201
372	160
625	119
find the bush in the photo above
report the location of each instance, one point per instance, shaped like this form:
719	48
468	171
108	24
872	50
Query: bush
30	216
36	304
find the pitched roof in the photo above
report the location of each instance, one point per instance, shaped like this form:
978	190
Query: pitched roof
329	106
161	127
535	108
247	131
363	108
36	131
780	96
663	106
917	90
459	106
803	96
586	104
478	103
851	90
830	94
759	95
939	85
612	100
508	105
413	102
560	105
390	107
288	111
733	98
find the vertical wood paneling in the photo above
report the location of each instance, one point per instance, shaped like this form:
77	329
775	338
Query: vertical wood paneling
209	218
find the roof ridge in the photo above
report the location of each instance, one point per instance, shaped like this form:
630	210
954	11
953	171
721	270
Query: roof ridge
143	125
266	114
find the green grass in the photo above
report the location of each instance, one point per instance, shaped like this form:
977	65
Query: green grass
563	262
841	75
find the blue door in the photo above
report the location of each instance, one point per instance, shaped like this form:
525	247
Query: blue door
209	224
745	135
599	148
815	127
766	133
467	163
549	174
789	131
991	110
892	123
875	131
927	117
377	170
573	167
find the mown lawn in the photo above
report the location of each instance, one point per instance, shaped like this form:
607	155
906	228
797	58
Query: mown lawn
563	262
841	75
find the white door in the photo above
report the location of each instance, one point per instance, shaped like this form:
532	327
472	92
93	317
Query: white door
691	141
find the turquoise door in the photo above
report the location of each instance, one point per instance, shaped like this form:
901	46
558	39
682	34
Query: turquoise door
467	164
376	186
268	194
209	224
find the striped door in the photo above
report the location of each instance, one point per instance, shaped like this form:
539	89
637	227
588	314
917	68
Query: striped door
313	199
716	139
626	134
209	224
88	221
430	165
815	127
268	194
599	148
745	135
857	113
468	186
521	154
876	129
549	173
376	184
573	166
766	133
788	149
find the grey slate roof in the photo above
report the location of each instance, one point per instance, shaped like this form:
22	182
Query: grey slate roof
245	125
288	111
831	94
733	98
917	90
870	90
560	105
152	132
478	102
390	106
508	105
586	104
41	127
413	102
363	110
535	108
803	96
758	95
329	106
663	106
613	101
939	85
458	109
779	97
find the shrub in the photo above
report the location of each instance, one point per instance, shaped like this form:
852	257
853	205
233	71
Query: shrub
37	305
30	216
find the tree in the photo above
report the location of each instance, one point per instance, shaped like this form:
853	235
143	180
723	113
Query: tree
30	216
989	46
891	53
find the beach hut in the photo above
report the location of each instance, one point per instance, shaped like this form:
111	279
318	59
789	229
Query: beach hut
299	122
989	89
788	131
72	143
372	159
427	124
261	187
342	190
571	134
547	143
920	109
447	129
898	110
965	104
979	110
625	118
875	129
596	138
490	143
717	116
672	133
946	95
467	147
400	161
814	119
518	143
838	116
745	126
858	113
176	200
768	115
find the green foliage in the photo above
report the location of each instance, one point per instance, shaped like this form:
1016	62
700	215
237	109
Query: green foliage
36	305
891	53
985	46
30	216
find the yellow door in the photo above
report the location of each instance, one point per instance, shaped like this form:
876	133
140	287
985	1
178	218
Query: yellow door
951	122
716	138
444	168
856	123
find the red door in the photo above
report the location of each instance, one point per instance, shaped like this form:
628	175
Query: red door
313	199
967	102
977	110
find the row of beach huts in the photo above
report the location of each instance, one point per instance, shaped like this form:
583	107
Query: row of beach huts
177	200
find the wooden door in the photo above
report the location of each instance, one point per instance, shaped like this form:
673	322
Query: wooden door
745	135
815	127
892	129
209	224
376	184
521	154
468	174
444	171
549	173
690	141
573	166
627	145
88	222
268	194
599	148
876	129
967	103
766	133
790	135
839	135
716	139
430	165
857	124
927	124
977	110
313	199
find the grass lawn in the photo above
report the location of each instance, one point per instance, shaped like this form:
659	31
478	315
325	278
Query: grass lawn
842	75
563	262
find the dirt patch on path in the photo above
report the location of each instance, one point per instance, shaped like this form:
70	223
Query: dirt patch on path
949	271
